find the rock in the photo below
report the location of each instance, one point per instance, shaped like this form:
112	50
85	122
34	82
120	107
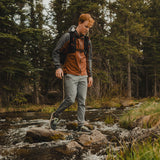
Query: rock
89	126
69	148
96	137
143	121
127	102
148	121
140	134
137	132
41	134
14	120
74	125
158	124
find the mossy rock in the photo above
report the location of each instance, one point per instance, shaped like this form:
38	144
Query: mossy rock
74	126
44	135
128	102
149	121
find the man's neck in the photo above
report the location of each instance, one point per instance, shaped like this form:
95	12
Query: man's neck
79	34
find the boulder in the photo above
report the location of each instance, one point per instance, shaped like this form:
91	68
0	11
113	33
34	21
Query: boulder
158	124
127	102
148	121
74	125
41	134
139	134
70	148
96	138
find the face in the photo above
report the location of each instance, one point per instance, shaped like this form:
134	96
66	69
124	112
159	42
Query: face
83	27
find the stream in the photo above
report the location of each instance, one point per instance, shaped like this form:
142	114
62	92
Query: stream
13	128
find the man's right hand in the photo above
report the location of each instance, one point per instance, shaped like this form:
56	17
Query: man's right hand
59	73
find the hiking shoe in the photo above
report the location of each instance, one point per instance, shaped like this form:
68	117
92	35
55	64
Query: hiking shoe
83	129
53	121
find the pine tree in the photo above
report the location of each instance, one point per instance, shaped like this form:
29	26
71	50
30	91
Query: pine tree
152	48
14	66
128	28
34	45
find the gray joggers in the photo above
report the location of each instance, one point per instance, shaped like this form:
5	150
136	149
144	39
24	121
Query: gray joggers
75	86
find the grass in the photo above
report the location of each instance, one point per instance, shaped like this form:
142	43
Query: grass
93	102
104	102
109	119
50	108
148	114
36	108
29	107
144	151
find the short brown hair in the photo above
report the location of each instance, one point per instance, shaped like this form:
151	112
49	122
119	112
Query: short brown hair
86	17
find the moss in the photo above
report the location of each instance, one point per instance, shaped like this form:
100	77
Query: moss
109	120
57	137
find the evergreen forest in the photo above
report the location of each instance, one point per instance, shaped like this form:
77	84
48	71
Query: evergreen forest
125	39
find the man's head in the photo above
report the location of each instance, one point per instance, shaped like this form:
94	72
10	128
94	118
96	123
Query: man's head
85	22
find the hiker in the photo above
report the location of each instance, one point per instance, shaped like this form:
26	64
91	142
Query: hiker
72	58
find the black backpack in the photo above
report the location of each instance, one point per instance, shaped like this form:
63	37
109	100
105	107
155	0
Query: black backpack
72	46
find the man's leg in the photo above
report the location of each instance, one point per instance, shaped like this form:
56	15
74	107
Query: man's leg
70	84
81	97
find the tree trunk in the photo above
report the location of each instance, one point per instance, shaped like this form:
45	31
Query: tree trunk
137	79
36	92
129	64
147	91
129	77
155	82
98	88
63	88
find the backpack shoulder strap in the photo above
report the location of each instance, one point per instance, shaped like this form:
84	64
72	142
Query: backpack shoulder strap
86	44
72	43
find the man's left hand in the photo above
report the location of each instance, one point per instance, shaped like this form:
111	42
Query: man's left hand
90	81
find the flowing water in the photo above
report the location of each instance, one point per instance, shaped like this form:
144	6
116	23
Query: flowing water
13	128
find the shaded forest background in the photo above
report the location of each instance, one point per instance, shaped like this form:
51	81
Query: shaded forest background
126	48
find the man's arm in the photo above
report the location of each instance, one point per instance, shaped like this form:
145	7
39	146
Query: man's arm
59	49
89	65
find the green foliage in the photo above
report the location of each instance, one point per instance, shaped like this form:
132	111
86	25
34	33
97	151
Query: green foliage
23	47
19	99
8	37
146	150
109	119
121	28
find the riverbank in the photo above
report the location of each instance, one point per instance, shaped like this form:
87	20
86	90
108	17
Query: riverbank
147	116
131	143
92	103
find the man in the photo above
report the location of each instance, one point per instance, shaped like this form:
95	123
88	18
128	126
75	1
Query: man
72	57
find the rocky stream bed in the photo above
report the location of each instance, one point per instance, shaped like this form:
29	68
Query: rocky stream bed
26	136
